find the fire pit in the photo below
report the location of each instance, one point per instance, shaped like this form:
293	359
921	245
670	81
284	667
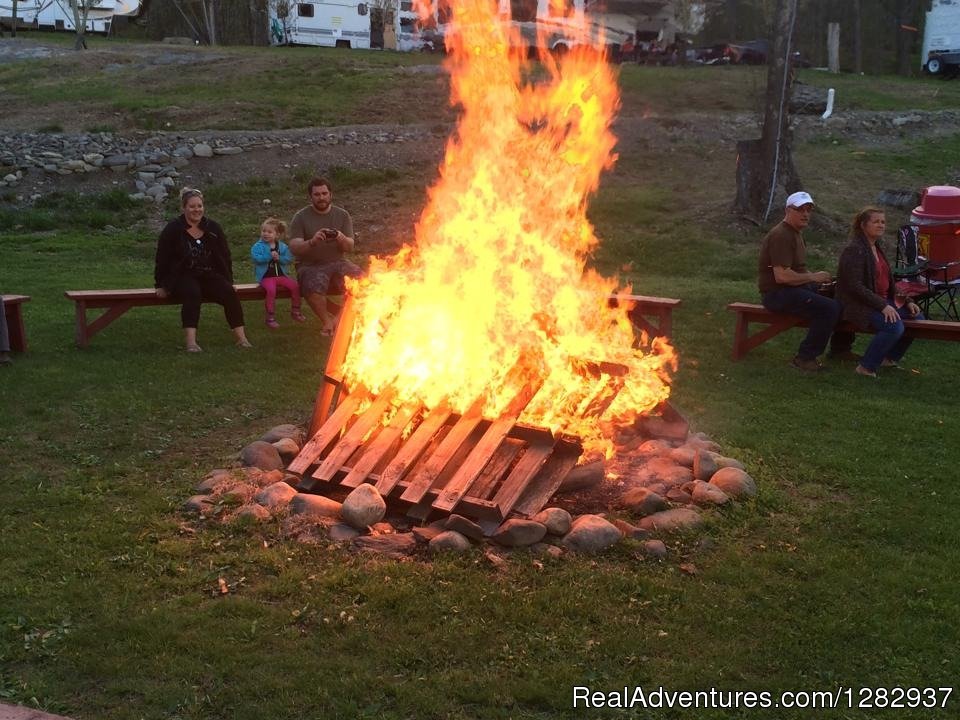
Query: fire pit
487	339
472	370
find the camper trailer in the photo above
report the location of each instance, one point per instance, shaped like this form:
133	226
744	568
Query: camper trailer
57	14
349	23
343	23
558	26
941	38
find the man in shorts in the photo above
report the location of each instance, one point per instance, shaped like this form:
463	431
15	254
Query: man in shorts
319	236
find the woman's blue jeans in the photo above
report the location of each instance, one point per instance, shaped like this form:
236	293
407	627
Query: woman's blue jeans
889	342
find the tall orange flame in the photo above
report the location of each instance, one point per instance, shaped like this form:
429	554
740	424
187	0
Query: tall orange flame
495	288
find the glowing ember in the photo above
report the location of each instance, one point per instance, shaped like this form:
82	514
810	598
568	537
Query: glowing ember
493	293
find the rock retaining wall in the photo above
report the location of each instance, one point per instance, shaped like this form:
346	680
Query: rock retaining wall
153	161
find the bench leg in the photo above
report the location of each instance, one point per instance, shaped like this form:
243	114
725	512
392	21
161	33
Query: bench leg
743	342
86	330
81	326
15	329
663	326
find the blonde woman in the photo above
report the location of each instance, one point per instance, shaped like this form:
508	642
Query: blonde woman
865	289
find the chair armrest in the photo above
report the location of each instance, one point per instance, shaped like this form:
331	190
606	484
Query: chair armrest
908	270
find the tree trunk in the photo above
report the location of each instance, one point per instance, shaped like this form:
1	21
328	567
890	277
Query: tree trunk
211	23
80	22
833	47
857	39
906	12
765	167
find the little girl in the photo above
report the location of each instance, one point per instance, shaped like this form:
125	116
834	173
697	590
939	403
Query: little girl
271	265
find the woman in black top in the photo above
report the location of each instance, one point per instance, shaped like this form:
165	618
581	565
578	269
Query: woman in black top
193	265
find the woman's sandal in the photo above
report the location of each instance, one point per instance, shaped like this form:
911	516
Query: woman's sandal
194	348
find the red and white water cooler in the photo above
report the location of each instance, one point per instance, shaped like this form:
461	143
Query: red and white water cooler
938	217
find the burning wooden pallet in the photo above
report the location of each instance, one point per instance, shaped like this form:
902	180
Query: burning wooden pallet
434	460
430	460
437	460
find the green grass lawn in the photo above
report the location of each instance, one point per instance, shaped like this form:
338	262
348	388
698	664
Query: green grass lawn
841	573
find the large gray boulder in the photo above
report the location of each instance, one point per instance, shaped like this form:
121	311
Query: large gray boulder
449	541
252	513
704	465
677	519
275	496
260	454
287	448
556	520
704	493
643	501
591	534
464	526
517	532
278	432
660	470
734	482
314	506
363	507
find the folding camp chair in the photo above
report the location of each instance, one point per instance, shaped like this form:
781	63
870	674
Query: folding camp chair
928	283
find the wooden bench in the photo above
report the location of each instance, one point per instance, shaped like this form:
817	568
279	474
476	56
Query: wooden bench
652	314
117	302
13	311
645	308
775	323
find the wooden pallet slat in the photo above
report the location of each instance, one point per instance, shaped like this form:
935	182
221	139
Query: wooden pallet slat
425	477
380	447
353	438
539	491
412	449
485	485
483	450
422	509
311	451
521	475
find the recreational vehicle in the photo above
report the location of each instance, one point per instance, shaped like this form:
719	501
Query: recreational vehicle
57	14
341	23
349	23
941	38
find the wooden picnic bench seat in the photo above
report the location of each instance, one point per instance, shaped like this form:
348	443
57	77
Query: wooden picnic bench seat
117	302
652	314
776	323
13	311
644	307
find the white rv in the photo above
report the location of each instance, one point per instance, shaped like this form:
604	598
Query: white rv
349	23
342	23
941	38
57	14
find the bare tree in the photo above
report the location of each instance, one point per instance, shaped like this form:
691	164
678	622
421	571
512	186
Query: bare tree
765	166
200	18
81	9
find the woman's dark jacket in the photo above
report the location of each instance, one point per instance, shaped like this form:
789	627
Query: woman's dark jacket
856	283
173	252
